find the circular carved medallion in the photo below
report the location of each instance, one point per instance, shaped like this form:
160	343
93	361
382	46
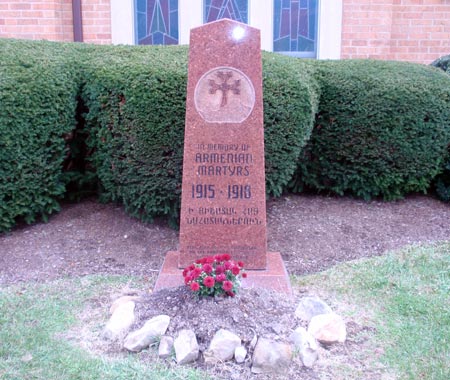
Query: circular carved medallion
224	95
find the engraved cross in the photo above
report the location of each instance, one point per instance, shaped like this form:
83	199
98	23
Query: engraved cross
224	86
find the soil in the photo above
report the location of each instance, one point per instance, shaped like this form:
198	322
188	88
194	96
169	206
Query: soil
311	232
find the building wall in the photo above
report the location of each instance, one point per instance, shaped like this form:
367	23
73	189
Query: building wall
410	30
52	20
404	30
96	16
36	19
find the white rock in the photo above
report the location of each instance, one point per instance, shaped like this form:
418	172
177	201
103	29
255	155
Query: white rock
223	344
165	347
240	354
120	322
309	307
186	347
271	357
122	300
155	327
328	328
306	345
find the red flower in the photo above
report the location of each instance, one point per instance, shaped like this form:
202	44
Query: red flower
227	286
221	277
195	286
220	269
209	260
208	271
226	257
196	272
207	268
208	282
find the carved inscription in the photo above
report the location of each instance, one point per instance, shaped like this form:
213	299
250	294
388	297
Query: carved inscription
224	86
222	195
224	95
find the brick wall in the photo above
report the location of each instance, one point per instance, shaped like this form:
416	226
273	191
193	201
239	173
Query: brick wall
52	20
36	19
410	30
96	21
404	30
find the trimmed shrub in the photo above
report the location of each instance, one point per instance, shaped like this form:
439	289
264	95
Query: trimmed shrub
442	63
442	181
38	90
291	98
136	100
382	129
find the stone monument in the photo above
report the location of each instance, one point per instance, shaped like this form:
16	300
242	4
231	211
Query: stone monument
223	204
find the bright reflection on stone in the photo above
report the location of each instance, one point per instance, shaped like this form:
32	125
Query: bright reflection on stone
238	33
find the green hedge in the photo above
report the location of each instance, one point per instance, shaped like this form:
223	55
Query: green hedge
442	63
38	89
135	98
382	129
136	101
442	181
76	112
291	99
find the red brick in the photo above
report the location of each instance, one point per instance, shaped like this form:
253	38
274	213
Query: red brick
19	6
27	21
359	42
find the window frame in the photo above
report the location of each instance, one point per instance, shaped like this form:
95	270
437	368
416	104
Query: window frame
299	54
260	16
204	11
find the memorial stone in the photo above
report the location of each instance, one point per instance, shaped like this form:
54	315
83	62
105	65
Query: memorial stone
223	193
223	203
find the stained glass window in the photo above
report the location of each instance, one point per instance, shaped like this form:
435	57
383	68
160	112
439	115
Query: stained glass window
156	22
232	9
295	26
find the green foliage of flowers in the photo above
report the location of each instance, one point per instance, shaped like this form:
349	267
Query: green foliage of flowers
215	275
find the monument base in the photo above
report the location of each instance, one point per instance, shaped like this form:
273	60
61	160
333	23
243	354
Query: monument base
275	277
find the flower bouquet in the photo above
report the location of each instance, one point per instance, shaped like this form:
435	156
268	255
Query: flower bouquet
215	275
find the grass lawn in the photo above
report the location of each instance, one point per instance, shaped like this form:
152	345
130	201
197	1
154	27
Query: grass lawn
33	319
405	294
